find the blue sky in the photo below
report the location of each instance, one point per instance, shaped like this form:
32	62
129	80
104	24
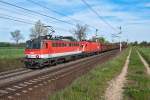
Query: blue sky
132	15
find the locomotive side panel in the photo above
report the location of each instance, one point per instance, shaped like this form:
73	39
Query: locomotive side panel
64	48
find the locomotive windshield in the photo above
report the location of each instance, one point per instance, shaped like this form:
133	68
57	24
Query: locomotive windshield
34	44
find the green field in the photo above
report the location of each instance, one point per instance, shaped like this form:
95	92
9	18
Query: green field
145	53
138	82
92	85
11	52
10	58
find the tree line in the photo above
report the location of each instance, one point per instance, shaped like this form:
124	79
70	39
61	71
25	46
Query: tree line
8	44
39	29
143	43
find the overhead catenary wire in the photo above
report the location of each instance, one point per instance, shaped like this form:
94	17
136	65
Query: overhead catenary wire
16	20
11	10
20	13
96	13
26	20
27	14
36	3
43	6
35	12
21	20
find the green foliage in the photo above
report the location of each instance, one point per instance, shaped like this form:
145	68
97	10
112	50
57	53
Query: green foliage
7	44
143	43
138	85
11	52
92	85
100	39
10	58
145	53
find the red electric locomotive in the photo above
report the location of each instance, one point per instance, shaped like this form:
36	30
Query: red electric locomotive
46	50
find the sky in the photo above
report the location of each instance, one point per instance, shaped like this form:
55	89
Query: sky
132	15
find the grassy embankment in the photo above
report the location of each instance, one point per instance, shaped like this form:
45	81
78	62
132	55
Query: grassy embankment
138	82
10	58
145	53
92	85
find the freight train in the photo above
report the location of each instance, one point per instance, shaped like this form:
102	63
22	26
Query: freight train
45	50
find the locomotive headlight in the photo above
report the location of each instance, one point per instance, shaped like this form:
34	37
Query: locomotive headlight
37	56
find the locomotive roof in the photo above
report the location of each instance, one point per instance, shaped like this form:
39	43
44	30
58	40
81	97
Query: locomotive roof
49	37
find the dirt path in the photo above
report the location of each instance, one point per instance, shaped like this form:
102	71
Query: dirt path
114	90
145	63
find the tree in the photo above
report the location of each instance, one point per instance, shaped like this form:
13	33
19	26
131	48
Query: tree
38	30
99	39
135	43
102	39
144	43
80	32
16	36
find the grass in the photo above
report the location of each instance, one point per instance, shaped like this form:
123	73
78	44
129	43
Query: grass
10	58
92	85
11	53
145	53
138	84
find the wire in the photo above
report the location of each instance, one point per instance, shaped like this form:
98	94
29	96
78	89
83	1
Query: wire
8	10
15	20
25	22
94	11
11	10
36	3
35	12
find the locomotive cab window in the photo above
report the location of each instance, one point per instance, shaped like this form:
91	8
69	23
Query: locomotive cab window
34	44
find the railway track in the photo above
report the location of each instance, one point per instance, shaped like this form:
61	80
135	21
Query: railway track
14	73
11	71
13	86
